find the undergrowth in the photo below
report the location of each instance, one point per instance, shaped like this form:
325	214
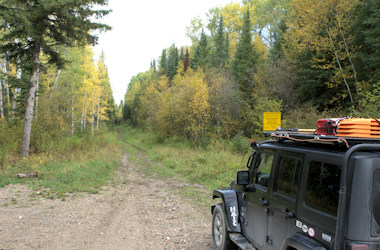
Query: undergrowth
79	163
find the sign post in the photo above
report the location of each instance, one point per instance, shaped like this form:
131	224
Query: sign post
272	120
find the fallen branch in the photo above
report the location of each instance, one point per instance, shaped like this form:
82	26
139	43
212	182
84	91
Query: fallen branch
27	175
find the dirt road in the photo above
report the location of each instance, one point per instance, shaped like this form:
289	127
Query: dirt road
135	213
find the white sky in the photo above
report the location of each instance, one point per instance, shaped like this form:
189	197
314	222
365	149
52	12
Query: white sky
141	30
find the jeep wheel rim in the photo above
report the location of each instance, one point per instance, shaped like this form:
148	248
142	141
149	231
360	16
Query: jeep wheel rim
218	229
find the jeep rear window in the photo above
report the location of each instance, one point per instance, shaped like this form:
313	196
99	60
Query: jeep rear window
323	182
288	176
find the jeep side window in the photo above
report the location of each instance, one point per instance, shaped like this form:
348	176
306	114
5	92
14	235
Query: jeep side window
264	168
322	191
287	176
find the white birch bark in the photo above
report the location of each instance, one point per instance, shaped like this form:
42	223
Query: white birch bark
5	81
85	116
93	118
55	85
340	66
348	54
38	82
1	99
82	123
14	103
17	90
28	118
98	118
72	109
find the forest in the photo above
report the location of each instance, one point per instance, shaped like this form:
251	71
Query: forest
53	91
306	59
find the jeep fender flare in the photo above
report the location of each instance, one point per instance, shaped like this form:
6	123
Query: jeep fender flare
302	242
231	208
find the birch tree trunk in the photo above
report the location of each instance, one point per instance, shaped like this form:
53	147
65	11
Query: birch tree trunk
55	85
5	81
28	118
98	118
14	103
93	118
17	90
38	81
82	123
72	109
340	67
348	54
1	100
85	116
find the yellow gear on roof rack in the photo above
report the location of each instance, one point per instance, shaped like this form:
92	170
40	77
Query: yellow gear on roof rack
359	127
346	131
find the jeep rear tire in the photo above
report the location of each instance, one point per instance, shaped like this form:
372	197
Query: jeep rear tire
220	234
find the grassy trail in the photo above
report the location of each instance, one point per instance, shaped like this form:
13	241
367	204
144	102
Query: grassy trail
212	167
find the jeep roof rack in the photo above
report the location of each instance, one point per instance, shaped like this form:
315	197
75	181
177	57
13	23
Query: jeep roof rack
310	135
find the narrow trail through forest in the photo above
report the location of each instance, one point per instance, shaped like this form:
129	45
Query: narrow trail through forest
135	212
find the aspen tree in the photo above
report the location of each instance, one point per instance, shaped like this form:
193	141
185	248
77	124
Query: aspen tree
16	90
5	80
93	118
83	121
72	109
321	29
43	25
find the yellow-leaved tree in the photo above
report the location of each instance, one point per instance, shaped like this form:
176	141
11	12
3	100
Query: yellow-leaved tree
323	27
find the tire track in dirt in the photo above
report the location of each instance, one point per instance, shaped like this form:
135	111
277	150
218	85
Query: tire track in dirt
135	213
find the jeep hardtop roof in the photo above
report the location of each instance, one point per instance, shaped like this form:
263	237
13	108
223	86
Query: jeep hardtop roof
295	146
294	135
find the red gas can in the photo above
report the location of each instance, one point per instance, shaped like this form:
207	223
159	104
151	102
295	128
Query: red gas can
328	126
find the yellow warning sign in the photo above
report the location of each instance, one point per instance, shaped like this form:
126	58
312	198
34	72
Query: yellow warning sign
272	120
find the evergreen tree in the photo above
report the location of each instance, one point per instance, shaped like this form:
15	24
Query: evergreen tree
186	61
182	55
196	58
220	53
366	30
34	25
204	56
153	65
276	52
163	63
172	62
227	48
244	64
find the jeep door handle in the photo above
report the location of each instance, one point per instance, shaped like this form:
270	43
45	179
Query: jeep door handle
263	202
288	214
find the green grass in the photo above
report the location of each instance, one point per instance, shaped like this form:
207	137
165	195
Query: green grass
213	166
71	164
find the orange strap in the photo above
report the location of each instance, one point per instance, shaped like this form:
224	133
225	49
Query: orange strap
340	139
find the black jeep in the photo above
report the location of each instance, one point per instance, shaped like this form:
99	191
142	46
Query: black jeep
302	195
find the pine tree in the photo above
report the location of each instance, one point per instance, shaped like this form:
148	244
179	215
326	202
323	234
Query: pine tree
32	26
182	55
172	62
227	48
244	64
366	30
196	58
204	56
220	52
153	65
163	63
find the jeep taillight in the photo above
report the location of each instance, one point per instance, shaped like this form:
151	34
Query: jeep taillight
358	247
